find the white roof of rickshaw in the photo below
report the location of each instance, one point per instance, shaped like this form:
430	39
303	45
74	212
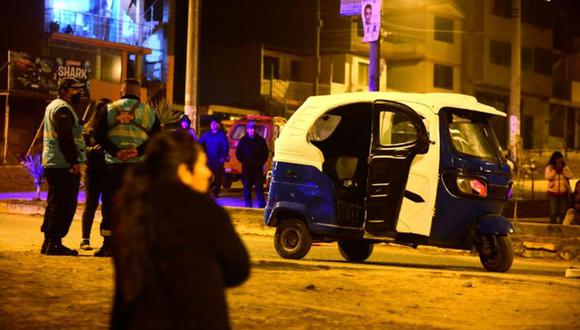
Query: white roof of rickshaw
293	147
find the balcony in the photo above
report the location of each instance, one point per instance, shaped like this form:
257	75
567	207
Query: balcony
88	25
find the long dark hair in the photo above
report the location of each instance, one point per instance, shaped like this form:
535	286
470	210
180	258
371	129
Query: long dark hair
135	230
555	155
100	110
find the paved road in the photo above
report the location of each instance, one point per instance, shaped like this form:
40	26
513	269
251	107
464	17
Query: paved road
22	233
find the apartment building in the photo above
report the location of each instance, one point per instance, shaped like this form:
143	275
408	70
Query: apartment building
549	114
100	41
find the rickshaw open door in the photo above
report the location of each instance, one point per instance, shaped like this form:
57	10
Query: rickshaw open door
398	135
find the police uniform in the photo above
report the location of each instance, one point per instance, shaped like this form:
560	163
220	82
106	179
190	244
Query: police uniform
127	125
63	147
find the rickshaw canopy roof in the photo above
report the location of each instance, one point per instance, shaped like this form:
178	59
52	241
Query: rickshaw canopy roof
293	146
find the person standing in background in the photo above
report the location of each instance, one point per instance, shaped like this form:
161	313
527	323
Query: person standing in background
123	134
217	148
94	174
558	175
63	151
252	152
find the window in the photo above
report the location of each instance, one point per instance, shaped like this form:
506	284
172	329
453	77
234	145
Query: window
360	28
396	128
542	61
295	71
502	8
111	68
363	74
556	121
240	131
271	67
527	59
500	53
444	29
443	76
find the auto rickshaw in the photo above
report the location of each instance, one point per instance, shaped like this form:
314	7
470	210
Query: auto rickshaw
370	167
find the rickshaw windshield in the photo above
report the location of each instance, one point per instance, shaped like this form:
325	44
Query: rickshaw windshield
471	134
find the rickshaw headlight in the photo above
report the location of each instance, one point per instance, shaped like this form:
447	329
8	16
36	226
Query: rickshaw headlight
472	186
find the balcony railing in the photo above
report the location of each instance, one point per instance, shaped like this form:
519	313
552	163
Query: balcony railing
100	27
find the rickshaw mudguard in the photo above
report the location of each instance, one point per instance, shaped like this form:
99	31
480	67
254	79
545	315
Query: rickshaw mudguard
271	217
494	224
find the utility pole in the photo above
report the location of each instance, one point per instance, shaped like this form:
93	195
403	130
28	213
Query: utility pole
374	65
515	81
317	51
191	63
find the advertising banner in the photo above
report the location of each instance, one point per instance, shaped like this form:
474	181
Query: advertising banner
41	74
371	18
350	7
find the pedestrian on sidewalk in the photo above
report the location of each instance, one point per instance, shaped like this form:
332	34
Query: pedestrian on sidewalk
123	134
94	174
175	249
558	174
185	124
63	151
252	152
217	149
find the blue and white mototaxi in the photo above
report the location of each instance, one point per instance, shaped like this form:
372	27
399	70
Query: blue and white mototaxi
414	169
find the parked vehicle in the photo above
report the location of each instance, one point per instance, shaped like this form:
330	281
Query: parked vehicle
268	127
414	169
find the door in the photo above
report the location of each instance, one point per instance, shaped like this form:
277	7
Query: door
398	135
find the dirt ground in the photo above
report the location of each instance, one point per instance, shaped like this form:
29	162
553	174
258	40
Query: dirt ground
75	293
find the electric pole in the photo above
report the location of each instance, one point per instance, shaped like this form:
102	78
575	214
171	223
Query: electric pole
317	51
191	62
515	81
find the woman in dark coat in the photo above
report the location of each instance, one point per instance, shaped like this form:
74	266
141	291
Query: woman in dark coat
175	250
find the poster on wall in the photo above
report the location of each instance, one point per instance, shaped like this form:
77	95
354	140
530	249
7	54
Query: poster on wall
41	74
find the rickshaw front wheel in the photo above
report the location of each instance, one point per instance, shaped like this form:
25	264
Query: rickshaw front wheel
292	239
355	250
497	253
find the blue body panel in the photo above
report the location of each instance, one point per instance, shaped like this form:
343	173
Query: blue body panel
301	189
493	224
455	216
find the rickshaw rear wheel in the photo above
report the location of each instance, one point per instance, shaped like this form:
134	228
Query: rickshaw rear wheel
500	256
292	239
227	182
355	250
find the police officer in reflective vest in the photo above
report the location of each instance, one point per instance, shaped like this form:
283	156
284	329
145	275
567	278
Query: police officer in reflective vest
63	151
122	132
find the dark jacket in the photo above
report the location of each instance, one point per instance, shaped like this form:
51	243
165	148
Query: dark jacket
216	147
252	152
194	255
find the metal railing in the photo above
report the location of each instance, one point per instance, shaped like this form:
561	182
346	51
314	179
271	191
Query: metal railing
100	27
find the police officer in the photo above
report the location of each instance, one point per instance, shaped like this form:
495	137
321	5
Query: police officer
122	132
62	153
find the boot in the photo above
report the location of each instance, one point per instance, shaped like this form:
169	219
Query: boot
105	250
55	248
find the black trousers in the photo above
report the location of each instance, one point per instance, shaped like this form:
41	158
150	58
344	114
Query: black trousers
218	176
94	183
113	182
253	177
63	190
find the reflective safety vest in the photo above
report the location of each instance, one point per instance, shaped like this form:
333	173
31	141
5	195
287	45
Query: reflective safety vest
129	123
52	156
